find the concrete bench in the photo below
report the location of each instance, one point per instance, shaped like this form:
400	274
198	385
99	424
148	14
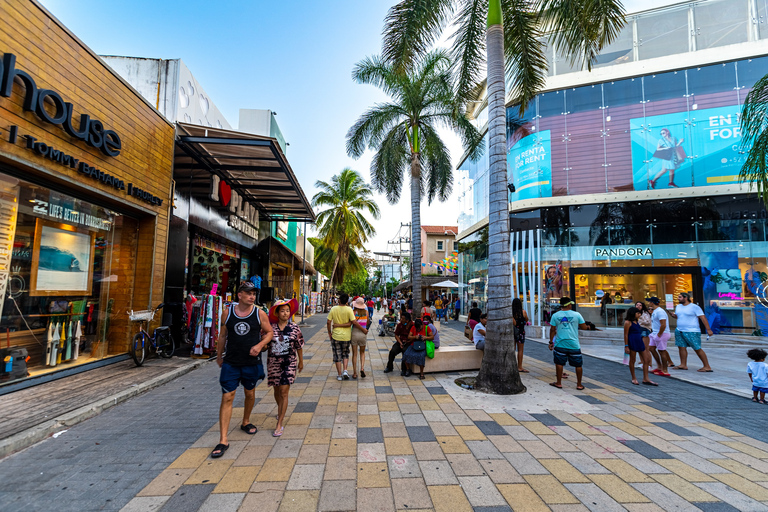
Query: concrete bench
454	358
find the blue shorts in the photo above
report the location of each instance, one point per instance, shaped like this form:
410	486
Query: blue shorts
568	355
685	339
233	376
759	390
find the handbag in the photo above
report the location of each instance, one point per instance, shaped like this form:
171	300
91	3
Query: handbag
430	349
467	331
419	345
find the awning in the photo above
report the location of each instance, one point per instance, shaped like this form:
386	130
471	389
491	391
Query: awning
278	253
254	166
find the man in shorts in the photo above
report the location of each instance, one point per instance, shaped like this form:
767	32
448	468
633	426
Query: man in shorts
688	333
245	333
340	321
564	341
659	337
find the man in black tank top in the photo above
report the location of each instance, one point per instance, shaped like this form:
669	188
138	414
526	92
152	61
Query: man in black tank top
245	332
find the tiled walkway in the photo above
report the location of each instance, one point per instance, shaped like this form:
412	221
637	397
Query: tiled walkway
389	443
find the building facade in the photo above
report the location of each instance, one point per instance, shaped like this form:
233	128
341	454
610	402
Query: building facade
438	244
626	178
85	192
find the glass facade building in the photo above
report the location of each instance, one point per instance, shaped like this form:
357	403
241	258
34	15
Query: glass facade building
628	187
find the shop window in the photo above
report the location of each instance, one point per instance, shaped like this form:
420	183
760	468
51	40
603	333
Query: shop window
216	264
721	22
70	279
665	33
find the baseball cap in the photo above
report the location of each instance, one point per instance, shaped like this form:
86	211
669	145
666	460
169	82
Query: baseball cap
566	301
246	286
655	300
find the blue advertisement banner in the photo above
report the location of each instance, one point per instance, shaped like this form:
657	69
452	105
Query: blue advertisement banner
529	164
686	149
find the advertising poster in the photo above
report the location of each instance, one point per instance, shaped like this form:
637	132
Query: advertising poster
722	284
529	164
686	149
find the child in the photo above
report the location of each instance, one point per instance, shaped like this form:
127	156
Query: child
634	345
758	373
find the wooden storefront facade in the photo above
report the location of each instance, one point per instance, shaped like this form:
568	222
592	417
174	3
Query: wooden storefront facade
85	193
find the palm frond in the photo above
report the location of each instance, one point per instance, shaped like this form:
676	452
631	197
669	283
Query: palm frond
468	49
369	130
437	171
754	129
526	63
410	29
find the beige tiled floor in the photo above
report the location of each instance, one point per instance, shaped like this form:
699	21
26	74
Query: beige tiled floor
427	452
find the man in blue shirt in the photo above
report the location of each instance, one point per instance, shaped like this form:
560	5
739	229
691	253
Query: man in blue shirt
564	340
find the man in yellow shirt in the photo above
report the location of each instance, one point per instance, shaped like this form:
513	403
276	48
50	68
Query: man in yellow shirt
340	321
439	307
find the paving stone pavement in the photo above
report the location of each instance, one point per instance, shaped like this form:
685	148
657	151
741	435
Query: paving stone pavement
390	443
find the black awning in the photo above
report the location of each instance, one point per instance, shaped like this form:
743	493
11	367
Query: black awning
254	166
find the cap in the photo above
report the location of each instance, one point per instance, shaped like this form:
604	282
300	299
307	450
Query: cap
246	286
565	301
655	300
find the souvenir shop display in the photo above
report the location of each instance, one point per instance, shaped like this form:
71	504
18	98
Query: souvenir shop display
214	264
204	321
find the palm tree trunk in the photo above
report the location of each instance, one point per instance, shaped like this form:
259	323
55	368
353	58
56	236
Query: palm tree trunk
416	232
498	373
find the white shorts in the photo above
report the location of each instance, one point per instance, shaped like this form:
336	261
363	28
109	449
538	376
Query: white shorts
660	342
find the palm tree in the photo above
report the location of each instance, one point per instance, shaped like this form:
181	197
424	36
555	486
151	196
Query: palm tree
754	131
342	226
404	135
325	259
510	33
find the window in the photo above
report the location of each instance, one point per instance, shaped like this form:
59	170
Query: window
455	246
439	245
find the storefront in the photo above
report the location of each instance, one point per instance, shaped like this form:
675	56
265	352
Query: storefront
231	190
85	180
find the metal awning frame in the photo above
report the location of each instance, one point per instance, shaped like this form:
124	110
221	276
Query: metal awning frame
292	207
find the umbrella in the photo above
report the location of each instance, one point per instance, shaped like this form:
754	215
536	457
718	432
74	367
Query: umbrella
445	284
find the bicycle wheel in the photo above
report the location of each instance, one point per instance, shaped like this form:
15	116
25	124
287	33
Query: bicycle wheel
166	345
139	348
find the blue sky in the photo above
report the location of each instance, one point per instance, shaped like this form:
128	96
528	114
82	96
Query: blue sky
294	58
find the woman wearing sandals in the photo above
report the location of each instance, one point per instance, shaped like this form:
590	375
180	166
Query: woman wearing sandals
359	335
520	319
416	353
633	345
285	355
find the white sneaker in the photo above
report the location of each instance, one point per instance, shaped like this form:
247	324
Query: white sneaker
339	377
345	375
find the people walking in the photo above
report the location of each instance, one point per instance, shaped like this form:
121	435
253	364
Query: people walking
520	318
659	337
244	334
370	305
359	335
439	307
285	356
416	353
401	343
564	341
341	318
758	374
478	333
634	345
688	333
457	308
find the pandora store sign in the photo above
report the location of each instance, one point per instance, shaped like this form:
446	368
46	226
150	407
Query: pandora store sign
620	252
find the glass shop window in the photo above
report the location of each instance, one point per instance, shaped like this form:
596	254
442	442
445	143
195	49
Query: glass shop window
66	275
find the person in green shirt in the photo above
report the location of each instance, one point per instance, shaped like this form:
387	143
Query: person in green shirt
564	340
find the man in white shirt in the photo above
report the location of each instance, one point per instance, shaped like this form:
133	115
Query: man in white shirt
659	337
478	333
688	333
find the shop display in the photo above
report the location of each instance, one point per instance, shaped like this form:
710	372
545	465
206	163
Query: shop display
214	264
204	322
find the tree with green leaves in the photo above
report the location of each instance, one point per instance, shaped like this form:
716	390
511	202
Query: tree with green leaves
342	225
754	132
506	38
404	135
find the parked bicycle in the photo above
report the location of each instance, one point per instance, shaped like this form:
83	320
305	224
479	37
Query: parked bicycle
161	341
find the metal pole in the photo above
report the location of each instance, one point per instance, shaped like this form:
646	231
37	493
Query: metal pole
303	271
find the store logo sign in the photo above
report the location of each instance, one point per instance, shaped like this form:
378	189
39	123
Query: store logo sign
90	131
244	217
623	252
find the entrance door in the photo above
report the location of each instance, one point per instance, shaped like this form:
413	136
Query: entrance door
603	295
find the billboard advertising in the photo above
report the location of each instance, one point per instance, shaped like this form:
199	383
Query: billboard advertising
686	149
529	165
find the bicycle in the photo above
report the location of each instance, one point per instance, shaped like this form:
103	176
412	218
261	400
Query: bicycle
161	341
